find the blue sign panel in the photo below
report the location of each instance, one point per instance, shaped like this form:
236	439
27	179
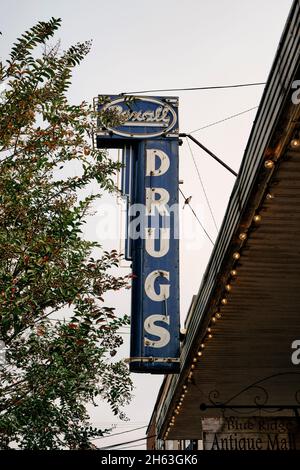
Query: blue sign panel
147	128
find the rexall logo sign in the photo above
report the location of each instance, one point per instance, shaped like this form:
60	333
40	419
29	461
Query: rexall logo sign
146	117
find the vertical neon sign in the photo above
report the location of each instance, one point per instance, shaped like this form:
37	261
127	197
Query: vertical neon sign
148	132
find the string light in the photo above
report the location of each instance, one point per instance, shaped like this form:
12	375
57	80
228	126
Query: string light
295	142
257	218
269	164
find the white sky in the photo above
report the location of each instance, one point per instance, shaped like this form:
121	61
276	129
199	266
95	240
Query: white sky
139	45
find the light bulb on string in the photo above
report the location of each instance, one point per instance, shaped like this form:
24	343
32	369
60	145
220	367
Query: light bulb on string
257	218
295	142
269	164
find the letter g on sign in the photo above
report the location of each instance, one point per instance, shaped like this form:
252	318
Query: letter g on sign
164	289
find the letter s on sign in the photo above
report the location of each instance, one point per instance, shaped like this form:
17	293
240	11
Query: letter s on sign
296	354
156	330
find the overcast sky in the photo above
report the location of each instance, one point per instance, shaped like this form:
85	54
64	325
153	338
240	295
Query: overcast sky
141	45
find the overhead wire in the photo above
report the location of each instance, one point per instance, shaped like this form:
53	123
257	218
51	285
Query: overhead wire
118	433
195	163
200	223
224	119
131	447
202	185
127	442
216	87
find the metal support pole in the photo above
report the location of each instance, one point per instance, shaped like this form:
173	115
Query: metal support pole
209	153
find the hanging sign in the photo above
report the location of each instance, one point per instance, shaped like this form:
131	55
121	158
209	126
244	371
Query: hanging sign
147	130
252	433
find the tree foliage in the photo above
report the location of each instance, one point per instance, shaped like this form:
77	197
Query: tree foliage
48	271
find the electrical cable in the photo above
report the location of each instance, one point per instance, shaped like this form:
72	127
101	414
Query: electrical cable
224	119
217	87
181	192
118	433
131	447
127	442
202	185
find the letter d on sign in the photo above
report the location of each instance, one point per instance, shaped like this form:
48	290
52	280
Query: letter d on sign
150	162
